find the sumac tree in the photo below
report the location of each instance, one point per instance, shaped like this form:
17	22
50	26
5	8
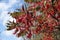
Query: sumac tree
41	17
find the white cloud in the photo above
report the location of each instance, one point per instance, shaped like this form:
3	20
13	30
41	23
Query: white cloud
10	33
7	33
5	16
4	6
12	1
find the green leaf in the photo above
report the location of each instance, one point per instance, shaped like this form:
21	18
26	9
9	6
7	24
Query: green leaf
37	8
11	25
16	14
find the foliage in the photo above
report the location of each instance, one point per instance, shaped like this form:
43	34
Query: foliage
42	16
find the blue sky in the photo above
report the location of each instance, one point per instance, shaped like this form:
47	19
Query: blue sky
5	7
